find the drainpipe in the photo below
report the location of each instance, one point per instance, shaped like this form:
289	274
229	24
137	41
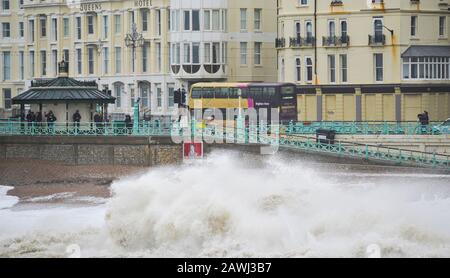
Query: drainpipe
315	42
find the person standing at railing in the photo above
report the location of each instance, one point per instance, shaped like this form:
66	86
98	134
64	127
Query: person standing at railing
39	120
128	124
51	119
76	120
30	120
98	123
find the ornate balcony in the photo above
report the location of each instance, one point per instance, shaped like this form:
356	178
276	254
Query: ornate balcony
280	42
334	41
377	40
297	42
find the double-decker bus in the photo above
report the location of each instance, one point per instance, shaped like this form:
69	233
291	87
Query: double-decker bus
222	96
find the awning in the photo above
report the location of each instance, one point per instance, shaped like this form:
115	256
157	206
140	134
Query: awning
427	51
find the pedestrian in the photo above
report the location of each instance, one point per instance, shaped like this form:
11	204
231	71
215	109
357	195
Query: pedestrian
39	121
51	119
98	123
30	118
128	124
76	120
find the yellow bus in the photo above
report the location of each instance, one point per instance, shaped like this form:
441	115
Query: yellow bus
222	96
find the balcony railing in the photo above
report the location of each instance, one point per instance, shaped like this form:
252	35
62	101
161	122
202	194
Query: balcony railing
336	41
377	40
280	42
302	42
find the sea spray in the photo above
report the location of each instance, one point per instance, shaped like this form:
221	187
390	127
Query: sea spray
227	207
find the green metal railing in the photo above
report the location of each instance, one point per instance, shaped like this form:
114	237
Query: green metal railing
152	128
294	136
364	128
368	152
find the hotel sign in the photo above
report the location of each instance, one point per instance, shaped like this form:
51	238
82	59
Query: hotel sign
143	3
92	6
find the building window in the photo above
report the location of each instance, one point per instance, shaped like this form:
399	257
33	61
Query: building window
224	20
158	95
171	97
6	65
66	27
309	31
145	52
90	19
5	5
7	100
207	53
144	18
442	22
378	30
118	59
91	60
413	26
207	20
158	57
117	24
309	70
344	31
243	53
43	63
282	70
258	13
243	19
195	53
175	20
144	94
158	22
297	29
118	89
258	47
79	62
6	30
215	20
54	29
195	20
105	26
55	61
21	30
426	68
332	68
78	27
21	65
378	59
343	62
31	72
105	60
298	69
66	55
331	29
303	2
187	21
43	22
31	30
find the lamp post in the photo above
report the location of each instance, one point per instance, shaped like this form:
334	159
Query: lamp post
134	40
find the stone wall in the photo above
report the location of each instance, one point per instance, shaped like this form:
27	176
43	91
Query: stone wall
90	151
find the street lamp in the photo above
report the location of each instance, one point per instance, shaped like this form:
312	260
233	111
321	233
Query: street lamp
134	40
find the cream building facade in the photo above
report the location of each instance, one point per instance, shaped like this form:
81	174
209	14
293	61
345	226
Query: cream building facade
184	41
369	60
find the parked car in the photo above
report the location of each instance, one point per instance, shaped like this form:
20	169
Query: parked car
443	128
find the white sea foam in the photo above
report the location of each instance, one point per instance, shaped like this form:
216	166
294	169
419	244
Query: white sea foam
5	200
228	206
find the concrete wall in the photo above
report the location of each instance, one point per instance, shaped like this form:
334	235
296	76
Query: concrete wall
89	151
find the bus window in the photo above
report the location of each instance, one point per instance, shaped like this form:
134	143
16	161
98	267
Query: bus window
197	93
287	90
208	92
224	92
233	93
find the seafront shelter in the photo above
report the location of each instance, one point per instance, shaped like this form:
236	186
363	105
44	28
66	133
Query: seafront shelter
64	96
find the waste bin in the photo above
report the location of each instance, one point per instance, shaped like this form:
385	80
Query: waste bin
325	136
